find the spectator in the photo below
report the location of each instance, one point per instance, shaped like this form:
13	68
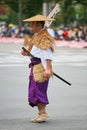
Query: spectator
66	34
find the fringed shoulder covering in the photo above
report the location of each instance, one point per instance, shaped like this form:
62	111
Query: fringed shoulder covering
43	40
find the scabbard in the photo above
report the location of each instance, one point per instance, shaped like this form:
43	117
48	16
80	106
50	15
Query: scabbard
61	78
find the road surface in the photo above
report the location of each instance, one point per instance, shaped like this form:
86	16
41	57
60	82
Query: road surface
68	104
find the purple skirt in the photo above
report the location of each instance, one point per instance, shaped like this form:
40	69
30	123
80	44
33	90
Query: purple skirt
37	92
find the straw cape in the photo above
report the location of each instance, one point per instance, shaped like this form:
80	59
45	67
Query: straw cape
38	18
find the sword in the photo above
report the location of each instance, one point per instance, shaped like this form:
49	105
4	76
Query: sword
29	54
61	78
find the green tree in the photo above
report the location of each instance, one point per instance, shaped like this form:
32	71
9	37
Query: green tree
26	9
68	12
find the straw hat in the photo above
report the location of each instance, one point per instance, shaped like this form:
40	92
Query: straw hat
11	25
38	18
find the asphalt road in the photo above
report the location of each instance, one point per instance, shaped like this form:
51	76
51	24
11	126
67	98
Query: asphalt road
68	104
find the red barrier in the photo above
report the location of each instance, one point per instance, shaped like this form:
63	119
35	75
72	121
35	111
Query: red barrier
11	40
71	44
58	43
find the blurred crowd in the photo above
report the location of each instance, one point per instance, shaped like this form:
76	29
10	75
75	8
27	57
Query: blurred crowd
69	33
62	33
12	30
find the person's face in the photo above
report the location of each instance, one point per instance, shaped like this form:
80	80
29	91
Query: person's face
33	26
36	27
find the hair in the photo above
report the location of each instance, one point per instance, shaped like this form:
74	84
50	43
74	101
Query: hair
40	22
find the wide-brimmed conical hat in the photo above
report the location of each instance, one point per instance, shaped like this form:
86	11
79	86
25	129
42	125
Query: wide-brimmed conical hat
38	18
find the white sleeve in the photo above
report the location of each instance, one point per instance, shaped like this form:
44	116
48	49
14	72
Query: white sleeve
46	54
42	54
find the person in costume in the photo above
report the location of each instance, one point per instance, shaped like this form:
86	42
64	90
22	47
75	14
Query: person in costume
41	46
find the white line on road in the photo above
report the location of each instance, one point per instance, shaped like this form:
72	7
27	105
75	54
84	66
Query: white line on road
14	60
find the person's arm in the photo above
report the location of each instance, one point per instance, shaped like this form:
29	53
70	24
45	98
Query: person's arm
48	70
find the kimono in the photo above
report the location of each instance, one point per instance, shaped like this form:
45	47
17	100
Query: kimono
42	48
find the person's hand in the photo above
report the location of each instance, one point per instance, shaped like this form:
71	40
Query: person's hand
47	73
23	53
